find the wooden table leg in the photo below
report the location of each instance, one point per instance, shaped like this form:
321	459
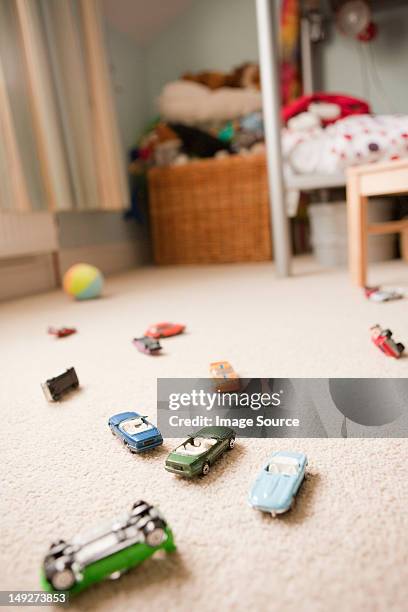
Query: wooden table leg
403	244
357	232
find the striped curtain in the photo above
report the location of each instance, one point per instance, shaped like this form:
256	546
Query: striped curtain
59	141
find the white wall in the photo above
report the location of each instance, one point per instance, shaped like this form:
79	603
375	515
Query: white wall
128	70
219	34
345	63
210	34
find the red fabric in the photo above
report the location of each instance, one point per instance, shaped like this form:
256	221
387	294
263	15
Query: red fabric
348	105
369	33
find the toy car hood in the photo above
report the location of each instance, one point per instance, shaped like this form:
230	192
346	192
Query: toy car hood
272	490
182	459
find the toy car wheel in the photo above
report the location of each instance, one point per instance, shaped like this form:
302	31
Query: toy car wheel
63	580
155	537
231	443
138	504
205	469
112	432
57	547
126	444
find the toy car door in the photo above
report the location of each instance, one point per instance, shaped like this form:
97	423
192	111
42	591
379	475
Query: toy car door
216	450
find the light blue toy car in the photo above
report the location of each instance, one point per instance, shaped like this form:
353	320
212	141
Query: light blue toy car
275	488
135	431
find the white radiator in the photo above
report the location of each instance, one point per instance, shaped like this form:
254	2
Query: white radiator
27	233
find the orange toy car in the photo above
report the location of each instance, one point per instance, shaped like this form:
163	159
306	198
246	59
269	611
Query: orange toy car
164	330
225	378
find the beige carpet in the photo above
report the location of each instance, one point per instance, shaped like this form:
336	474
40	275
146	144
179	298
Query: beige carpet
345	545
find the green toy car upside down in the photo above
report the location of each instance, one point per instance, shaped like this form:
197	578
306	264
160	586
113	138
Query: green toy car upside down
200	450
107	552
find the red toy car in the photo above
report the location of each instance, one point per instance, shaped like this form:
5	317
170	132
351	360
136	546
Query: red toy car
164	330
383	339
62	332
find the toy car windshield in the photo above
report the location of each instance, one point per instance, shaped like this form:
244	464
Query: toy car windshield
283	465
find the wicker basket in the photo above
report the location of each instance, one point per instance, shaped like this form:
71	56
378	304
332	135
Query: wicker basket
210	211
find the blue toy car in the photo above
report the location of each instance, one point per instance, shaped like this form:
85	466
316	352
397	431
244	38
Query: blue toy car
275	488
135	431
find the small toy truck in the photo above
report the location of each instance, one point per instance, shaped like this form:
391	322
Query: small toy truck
107	552
55	388
383	339
224	377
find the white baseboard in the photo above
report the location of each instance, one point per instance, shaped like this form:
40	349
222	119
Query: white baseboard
110	258
21	276
27	240
27	233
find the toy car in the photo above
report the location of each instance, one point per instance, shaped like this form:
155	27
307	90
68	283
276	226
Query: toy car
55	388
107	552
61	332
147	345
197	454
383	339
225	379
275	488
135	431
376	294
164	330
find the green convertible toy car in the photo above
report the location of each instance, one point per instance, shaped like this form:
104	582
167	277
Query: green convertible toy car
107	552
200	450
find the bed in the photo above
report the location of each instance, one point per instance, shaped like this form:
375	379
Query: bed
280	179
318	158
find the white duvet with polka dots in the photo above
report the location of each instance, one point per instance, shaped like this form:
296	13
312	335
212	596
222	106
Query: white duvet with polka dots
358	139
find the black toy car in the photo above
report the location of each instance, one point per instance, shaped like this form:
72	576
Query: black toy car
55	388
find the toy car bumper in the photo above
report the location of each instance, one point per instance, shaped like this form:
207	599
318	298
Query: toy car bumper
147	444
140	447
270	510
182	470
